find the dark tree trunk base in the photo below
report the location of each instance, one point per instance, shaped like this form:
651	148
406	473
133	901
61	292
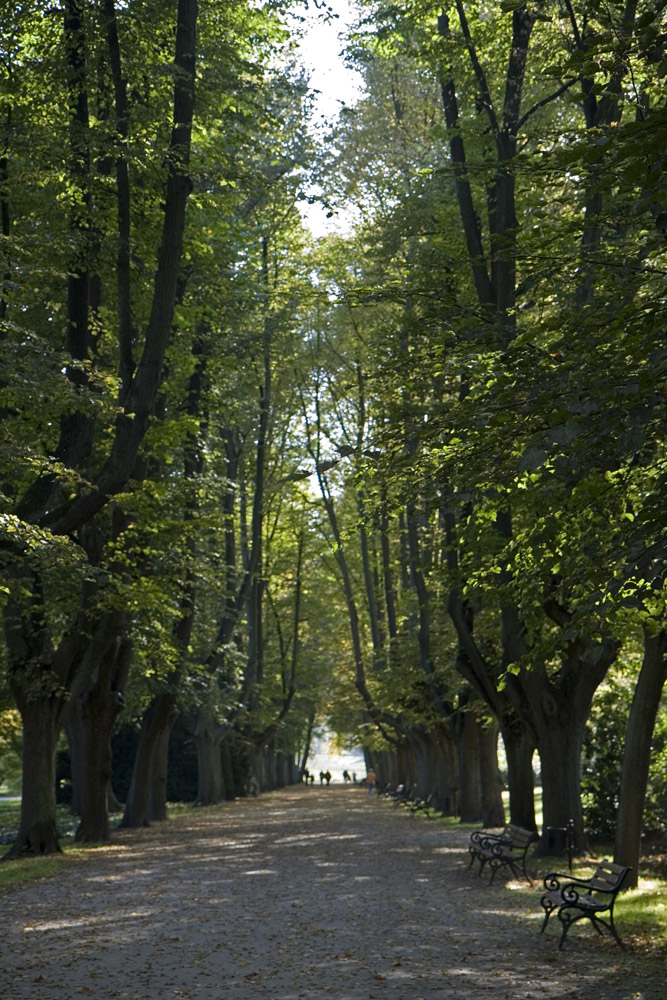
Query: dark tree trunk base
36	842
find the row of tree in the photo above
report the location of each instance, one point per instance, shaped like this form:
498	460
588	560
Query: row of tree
408	478
509	415
148	323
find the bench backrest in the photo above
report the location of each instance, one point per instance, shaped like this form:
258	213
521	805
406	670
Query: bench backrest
519	836
608	877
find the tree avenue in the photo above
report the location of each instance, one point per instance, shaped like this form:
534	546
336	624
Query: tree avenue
403	482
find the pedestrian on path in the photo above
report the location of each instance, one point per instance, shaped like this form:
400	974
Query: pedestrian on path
370	780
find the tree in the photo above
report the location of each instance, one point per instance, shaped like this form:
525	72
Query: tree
47	670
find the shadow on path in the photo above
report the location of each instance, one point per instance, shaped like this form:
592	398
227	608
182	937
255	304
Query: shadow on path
299	894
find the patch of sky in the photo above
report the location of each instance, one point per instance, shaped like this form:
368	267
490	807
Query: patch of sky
334	85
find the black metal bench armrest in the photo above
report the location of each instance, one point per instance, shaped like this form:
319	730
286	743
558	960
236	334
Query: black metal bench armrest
552	882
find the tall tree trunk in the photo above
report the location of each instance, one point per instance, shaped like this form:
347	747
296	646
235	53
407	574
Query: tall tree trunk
493	811
637	753
70	664
89	724
559	747
493	270
307	743
229	770
517	735
158	718
519	752
556	708
212	754
73	727
38	834
420	745
255	597
157	797
38	829
443	779
210	783
468	743
5	217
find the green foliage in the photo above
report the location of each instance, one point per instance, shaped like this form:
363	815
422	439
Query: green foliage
370	360
603	757
11	745
655	816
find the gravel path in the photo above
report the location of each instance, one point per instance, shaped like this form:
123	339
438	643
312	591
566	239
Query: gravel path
292	896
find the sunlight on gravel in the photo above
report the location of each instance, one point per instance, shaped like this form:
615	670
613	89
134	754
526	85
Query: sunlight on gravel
293	896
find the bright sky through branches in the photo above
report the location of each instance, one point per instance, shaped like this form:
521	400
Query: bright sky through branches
337	85
320	52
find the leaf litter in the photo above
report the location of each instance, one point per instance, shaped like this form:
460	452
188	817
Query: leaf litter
293	895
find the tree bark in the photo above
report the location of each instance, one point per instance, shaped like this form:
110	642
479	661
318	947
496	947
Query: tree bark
444	780
467	739
519	751
493	271
89	725
484	677
158	718
157	795
70	665
123	259
210	782
305	753
637	753
38	829
555	709
493	810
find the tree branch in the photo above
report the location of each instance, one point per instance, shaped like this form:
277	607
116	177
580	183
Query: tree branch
545	100
485	93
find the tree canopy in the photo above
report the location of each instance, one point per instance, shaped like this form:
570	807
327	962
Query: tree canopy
404	481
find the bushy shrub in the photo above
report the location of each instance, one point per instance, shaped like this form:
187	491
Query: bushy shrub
655	812
602	759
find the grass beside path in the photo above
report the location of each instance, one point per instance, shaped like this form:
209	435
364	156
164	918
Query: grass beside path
27	868
641	913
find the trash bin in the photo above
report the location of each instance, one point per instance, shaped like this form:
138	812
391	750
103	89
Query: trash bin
556	837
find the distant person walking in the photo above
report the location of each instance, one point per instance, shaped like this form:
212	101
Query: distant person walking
370	780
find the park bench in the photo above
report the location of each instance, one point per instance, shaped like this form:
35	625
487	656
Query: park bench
576	898
505	849
416	805
399	794
388	791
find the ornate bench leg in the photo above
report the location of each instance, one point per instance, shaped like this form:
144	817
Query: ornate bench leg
566	920
548	910
494	868
612	927
567	917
